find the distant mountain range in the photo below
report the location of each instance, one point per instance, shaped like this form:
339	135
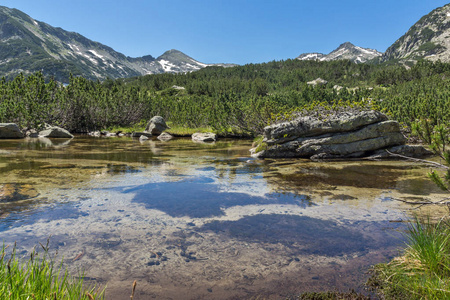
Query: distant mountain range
27	46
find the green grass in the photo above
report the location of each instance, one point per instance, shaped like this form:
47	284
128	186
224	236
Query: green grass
423	269
177	130
39	278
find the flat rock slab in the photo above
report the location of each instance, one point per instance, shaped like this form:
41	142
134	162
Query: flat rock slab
335	135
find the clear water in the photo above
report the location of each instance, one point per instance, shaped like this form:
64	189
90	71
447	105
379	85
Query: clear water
203	221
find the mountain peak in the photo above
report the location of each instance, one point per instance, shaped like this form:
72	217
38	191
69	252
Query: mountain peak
37	46
345	51
175	61
346	45
428	38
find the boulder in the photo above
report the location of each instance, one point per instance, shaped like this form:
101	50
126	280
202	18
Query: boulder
204	137
55	132
351	134
32	133
165	136
10	131
156	125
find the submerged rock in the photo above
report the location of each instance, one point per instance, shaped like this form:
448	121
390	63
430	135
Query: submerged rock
10	131
165	136
10	192
156	125
55	132
342	135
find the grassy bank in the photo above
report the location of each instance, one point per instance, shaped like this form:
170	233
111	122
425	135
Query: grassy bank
183	131
422	271
38	277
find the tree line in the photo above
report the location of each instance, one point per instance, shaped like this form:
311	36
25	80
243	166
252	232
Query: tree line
243	98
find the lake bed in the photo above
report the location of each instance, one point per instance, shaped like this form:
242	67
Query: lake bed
202	221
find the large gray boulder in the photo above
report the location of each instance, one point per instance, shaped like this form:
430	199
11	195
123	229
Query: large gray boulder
10	131
342	135
55	132
156	125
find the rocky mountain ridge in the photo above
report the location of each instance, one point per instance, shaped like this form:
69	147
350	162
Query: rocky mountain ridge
345	51
28	45
429	38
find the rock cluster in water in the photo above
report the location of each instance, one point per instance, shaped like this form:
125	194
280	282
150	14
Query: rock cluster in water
352	134
12	131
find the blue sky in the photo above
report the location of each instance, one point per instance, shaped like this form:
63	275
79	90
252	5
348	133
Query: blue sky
231	31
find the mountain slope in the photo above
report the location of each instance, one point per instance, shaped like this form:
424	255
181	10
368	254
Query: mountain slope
27	46
429	38
344	51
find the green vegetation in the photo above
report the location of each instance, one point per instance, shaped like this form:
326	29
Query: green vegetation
422	271
242	101
352	295
39	278
438	137
231	101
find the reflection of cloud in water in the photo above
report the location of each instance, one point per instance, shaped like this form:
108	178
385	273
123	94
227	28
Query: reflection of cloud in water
200	198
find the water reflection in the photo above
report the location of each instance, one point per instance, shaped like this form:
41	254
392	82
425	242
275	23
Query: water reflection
203	221
302	234
197	197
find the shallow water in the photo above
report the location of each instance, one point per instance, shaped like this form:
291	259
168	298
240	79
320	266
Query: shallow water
204	221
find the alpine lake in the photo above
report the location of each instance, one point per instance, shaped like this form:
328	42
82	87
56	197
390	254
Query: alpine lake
205	221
